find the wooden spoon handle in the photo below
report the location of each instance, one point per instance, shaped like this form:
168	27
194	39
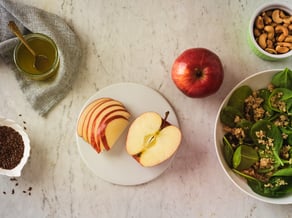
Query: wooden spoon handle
17	32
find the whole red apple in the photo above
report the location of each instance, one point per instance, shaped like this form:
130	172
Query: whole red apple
197	72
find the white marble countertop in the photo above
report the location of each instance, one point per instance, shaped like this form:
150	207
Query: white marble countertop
136	41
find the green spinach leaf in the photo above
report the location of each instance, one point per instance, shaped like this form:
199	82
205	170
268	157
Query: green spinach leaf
238	97
283	79
244	157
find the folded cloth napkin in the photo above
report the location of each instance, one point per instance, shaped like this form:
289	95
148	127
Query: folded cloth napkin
42	95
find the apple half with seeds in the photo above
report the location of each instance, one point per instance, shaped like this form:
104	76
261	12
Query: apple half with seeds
151	139
102	122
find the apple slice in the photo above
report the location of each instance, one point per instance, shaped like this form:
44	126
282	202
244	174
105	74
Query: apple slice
151	140
100	123
85	114
90	114
97	116
111	128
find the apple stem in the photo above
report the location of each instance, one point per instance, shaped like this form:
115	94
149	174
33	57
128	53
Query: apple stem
164	119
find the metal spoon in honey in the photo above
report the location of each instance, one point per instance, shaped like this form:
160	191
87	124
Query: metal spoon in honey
40	61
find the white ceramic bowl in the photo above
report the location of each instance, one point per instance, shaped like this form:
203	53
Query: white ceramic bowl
251	38
255	81
16	171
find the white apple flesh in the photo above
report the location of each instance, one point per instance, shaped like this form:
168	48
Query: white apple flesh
151	140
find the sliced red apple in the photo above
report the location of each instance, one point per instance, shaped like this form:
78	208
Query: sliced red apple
93	132
85	114
151	140
94	119
111	128
97	114
90	116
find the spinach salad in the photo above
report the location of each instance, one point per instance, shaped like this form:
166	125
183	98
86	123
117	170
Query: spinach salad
257	142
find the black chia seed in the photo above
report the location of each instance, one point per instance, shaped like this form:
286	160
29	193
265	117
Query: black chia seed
11	147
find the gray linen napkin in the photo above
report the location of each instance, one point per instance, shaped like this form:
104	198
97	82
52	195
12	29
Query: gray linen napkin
42	95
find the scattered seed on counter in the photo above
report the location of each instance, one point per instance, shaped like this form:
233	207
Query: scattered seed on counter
13	191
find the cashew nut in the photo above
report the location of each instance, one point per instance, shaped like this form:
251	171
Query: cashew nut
276	16
271	50
270	43
284	32
270	31
256	32
267	19
259	23
262	40
288	38
281	49
285	44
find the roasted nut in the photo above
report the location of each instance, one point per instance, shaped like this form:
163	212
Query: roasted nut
267	19
283	31
270	31
256	32
285	44
263	40
259	23
273	31
270	43
288	38
271	50
276	16
281	49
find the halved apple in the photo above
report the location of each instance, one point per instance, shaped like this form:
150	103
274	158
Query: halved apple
151	140
95	118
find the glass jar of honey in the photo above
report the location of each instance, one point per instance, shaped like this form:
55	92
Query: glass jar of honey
42	45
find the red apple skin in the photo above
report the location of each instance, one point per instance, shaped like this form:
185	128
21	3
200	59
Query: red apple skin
197	72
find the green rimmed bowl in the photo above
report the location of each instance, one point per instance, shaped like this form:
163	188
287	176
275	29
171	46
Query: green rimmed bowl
251	38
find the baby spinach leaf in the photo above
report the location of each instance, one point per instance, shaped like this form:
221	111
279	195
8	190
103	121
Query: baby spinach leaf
283	172
227	151
265	94
279	99
267	135
276	187
238	97
246	126
244	157
228	115
283	79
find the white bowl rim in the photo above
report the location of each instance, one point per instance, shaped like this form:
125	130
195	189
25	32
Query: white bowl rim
230	174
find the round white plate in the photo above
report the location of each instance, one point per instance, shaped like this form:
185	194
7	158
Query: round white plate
117	166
